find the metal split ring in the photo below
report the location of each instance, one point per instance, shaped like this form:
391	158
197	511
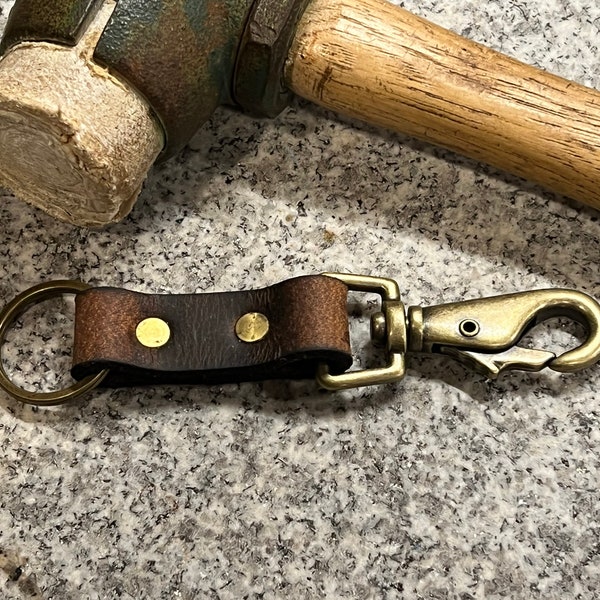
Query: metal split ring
10	313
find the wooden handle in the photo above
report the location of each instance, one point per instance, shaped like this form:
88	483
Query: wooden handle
375	61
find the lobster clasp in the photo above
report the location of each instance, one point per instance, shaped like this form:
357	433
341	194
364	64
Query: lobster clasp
485	333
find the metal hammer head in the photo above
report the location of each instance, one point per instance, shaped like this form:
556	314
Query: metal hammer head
92	92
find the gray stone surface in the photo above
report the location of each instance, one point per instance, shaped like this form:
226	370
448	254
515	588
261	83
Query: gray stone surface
441	486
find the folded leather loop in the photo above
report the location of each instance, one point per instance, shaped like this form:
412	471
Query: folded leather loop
308	326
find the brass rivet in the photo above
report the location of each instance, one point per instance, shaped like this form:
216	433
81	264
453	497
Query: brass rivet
469	328
153	332
252	327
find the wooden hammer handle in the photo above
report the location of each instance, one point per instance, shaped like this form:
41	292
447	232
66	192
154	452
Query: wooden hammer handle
372	60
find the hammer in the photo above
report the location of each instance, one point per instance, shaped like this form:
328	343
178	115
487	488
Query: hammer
93	92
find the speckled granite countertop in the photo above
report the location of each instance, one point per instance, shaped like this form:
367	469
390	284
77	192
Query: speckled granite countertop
441	486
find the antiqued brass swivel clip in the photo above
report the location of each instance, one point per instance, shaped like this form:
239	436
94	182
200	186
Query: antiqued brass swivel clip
483	334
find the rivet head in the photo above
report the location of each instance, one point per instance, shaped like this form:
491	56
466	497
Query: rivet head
469	328
153	332
252	327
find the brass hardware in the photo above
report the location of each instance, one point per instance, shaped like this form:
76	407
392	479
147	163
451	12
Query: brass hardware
394	371
483	334
378	329
469	328
502	321
252	327
513	359
388	328
11	313
153	332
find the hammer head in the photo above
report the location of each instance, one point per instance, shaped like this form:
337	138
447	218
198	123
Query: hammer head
92	91
79	147
74	140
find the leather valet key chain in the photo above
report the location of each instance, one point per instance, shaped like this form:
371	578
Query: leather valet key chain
296	329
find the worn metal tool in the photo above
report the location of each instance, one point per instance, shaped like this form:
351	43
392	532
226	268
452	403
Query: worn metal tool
93	91
293	330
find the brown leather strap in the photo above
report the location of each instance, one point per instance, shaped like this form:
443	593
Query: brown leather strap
308	325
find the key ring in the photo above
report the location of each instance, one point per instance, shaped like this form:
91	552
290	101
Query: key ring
10	313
